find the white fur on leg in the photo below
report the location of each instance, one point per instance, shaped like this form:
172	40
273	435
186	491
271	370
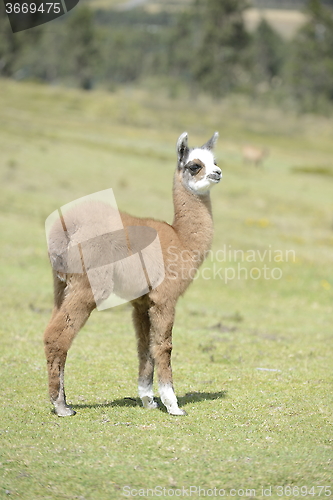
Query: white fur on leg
147	396
60	406
169	399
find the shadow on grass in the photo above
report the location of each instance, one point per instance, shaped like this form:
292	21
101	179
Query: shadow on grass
188	398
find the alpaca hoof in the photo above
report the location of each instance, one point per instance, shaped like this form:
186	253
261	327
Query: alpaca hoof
64	411
177	412
149	403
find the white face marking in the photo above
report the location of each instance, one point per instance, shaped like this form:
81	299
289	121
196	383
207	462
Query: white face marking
203	184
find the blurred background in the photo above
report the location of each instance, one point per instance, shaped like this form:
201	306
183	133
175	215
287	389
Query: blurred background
266	49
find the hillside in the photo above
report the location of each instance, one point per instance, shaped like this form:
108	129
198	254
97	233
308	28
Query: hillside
285	21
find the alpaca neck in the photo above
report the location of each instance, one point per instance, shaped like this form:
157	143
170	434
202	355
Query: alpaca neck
193	220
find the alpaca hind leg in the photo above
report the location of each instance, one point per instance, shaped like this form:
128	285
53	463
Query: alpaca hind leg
146	362
58	336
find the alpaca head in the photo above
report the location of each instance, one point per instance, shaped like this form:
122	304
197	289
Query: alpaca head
197	166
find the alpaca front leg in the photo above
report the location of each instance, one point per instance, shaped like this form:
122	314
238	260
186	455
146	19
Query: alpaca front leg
146	393
165	385
146	362
161	348
145	380
169	398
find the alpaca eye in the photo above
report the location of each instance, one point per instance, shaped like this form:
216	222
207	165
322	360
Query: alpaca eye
194	168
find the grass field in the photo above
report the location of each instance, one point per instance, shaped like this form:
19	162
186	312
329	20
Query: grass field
252	357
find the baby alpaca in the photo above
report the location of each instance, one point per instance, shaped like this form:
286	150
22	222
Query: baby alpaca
184	245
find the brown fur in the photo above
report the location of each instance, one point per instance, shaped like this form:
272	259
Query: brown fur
153	314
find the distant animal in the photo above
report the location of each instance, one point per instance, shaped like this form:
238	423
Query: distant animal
184	245
254	155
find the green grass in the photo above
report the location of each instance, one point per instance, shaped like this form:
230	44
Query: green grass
246	428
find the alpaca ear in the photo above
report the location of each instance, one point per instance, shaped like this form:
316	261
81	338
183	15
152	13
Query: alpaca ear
211	143
182	149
